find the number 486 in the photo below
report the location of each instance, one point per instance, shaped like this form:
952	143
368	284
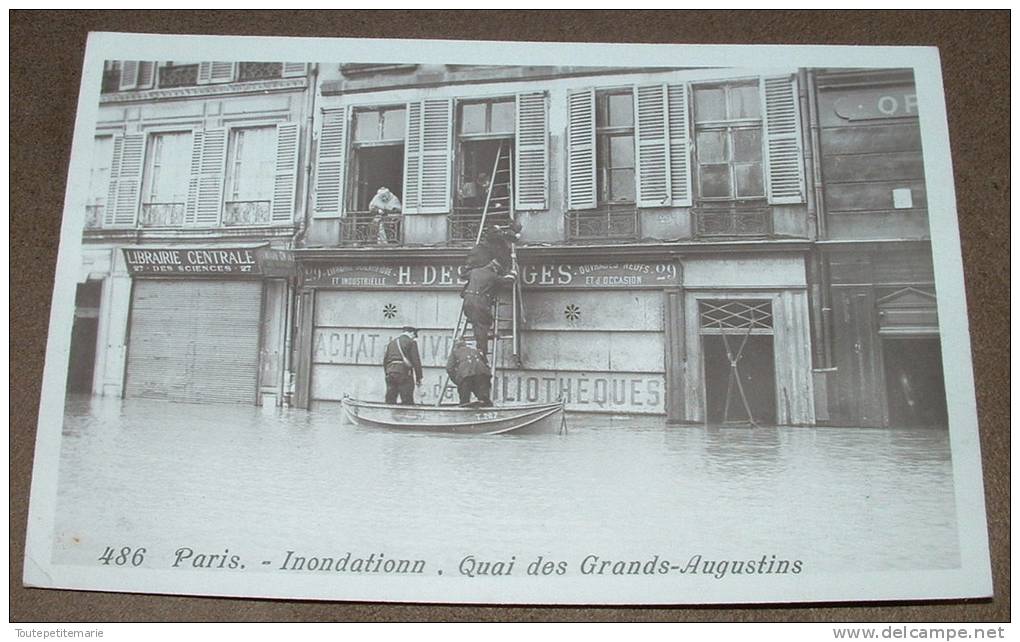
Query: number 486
125	556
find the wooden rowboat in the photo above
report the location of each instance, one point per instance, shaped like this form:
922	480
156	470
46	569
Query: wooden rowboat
520	419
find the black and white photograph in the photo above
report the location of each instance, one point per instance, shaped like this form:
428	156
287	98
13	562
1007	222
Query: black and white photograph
509	323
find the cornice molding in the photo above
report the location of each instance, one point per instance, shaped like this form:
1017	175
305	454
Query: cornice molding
205	91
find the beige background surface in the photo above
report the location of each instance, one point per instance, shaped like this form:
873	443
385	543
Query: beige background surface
46	58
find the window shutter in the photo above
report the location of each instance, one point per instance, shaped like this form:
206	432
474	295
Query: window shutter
216	72
329	166
436	142
412	160
285	182
128	74
679	147
783	147
581	150
652	139
125	180
146	75
191	205
293	69
205	187
531	182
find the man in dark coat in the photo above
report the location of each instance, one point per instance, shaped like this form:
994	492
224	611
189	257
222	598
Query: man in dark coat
402	365
468	370
496	245
479	296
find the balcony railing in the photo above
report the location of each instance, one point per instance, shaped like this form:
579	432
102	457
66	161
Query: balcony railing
246	213
363	228
161	215
733	221
463	223
606	223
178	76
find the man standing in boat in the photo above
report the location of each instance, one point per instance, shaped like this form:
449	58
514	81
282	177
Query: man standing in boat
479	296
402	365
468	370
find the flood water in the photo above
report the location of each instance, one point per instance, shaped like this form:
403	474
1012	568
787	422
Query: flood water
259	483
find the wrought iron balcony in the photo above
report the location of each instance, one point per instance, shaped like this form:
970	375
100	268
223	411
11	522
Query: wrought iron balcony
161	215
178	76
463	223
246	213
732	221
363	228
603	223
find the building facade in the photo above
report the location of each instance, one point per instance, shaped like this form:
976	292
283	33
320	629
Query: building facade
878	341
195	194
667	225
707	245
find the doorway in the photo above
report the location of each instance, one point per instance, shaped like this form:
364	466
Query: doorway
915	388
81	362
740	379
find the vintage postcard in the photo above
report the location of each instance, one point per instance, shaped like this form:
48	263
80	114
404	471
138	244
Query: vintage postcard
515	323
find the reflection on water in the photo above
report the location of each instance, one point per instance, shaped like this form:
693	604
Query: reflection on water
149	473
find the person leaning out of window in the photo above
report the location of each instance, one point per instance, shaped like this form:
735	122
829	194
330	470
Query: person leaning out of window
383	204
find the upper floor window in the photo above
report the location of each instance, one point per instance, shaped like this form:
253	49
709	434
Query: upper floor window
248	190
377	155
130	75
99	181
485	144
728	147
165	179
614	129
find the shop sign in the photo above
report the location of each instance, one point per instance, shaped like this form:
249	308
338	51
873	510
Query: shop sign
874	104
208	261
537	275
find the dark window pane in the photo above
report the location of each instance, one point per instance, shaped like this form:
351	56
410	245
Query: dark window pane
747	144
394	124
744	102
712	146
503	117
709	104
715	181
366	126
621	152
622	185
750	181
621	110
472	118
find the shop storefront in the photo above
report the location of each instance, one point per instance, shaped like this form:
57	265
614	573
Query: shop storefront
593	333
623	337
886	337
207	324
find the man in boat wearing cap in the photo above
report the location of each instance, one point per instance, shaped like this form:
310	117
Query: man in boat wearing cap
470	372
402	365
479	296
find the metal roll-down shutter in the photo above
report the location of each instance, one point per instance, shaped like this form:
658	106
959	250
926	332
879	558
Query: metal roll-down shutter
194	340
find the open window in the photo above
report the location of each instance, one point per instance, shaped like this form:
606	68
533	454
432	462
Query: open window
485	132
377	155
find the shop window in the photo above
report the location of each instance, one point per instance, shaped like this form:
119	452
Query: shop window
251	165
377	155
99	181
165	179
